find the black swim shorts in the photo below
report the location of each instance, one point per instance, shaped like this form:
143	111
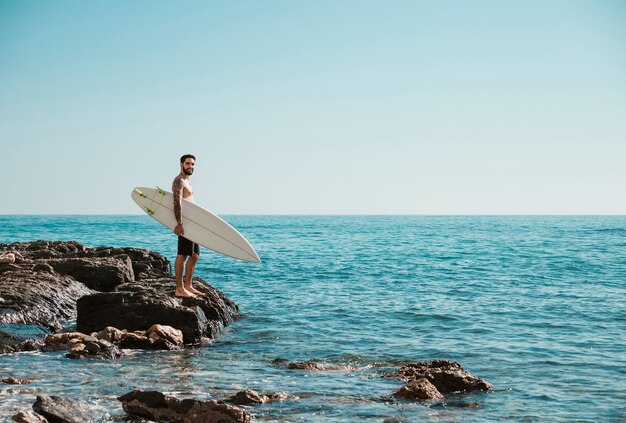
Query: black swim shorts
186	247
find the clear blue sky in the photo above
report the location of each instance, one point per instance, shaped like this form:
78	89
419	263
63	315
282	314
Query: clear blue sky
315	107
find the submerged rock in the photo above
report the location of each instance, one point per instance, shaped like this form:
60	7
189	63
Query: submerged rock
156	406
446	376
16	337
251	397
311	365
61	409
15	381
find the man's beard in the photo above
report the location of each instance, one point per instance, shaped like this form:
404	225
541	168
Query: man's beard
188	171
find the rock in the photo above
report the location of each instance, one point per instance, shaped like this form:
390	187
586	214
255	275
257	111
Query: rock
132	340
38	298
44	285
100	349
64	338
168	333
142	304
99	274
16	337
110	334
312	365
420	389
447	376
79	345
15	381
43	267
31	345
62	410
251	397
395	420
29	417
78	349
156	406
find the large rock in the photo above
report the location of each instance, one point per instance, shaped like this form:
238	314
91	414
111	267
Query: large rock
100	274
38	298
127	288
446	376
142	304
156	406
62	410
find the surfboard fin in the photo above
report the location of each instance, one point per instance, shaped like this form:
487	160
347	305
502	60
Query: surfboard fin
161	191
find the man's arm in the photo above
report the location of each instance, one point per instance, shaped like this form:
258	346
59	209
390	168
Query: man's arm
178	206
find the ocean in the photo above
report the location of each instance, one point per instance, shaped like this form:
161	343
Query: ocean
534	304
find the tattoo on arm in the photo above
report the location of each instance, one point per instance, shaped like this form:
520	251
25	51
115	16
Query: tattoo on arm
178	196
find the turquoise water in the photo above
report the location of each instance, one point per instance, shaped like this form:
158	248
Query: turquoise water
536	305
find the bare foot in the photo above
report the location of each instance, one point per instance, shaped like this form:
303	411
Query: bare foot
183	293
195	291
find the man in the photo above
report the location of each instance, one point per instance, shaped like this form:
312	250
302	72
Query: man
188	251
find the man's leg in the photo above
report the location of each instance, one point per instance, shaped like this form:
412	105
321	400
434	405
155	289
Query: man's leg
179	267
191	266
185	249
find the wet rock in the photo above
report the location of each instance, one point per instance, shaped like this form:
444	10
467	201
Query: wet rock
250	397
168	333
78	350
395	420
38	298
80	345
419	390
31	345
156	406
64	338
15	381
16	337
62	410
29	417
312	365
132	340
110	334
100	349
447	376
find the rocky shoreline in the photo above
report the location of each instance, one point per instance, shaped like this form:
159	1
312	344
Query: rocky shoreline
123	298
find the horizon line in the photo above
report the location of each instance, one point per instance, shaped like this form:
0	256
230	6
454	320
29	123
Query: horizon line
344	214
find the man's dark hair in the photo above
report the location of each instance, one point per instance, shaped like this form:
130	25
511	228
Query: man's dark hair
187	156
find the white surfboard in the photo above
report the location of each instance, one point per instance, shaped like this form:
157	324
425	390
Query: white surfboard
200	225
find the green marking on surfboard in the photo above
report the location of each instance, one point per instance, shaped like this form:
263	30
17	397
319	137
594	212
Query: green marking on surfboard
161	191
149	211
141	194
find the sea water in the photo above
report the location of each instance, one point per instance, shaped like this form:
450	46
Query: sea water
535	305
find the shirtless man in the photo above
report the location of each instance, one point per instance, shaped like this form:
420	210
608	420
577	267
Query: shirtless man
187	251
